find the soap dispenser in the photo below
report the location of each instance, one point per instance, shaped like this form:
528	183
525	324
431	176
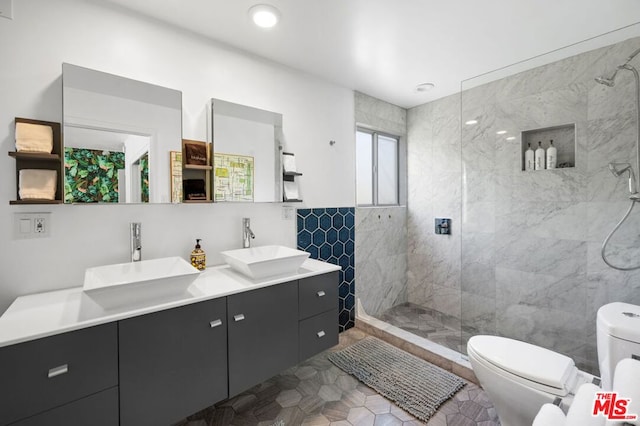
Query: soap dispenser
528	159
539	157
552	156
198	257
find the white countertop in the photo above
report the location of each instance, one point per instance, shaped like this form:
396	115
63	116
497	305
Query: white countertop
46	314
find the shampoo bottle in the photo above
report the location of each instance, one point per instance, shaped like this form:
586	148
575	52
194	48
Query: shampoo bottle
198	257
539	157
528	159
552	156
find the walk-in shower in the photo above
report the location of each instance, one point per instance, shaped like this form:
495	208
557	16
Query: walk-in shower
617	169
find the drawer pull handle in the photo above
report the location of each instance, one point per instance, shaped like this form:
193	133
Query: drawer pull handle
238	317
320	334
321	293
216	323
58	371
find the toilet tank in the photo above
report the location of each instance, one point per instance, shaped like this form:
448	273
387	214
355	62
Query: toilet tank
618	337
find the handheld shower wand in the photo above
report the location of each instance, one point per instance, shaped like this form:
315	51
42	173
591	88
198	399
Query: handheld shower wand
618	169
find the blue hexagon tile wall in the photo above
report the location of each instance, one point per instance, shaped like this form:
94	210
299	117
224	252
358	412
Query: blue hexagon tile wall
329	235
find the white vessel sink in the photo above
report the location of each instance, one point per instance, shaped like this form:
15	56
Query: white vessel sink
114	286
265	261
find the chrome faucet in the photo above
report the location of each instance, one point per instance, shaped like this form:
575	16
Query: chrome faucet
136	241
247	233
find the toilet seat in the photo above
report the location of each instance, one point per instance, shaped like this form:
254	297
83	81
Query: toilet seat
527	364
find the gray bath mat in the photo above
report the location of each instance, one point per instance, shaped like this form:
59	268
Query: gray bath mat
412	383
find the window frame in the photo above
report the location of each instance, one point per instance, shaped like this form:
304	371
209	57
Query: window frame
374	166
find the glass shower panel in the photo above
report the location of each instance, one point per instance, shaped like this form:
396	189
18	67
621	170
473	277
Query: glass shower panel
530	266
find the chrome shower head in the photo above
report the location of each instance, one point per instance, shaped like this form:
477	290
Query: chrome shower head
619	168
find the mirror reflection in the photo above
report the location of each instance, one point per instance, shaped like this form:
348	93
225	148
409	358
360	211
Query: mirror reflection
118	136
246	160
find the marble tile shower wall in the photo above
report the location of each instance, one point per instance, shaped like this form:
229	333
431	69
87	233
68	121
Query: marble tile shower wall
434	181
531	267
381	258
381	232
328	235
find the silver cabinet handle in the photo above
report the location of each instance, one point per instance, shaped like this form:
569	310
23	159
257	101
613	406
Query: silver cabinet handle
58	371
320	293
238	317
215	323
320	334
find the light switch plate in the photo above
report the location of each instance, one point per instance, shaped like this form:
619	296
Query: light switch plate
6	9
288	212
31	225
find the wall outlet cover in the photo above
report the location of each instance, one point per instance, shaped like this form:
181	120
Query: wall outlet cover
31	225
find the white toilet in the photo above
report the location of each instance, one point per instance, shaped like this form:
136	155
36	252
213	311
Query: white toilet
519	377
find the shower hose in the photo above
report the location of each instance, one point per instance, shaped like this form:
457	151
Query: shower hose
613	231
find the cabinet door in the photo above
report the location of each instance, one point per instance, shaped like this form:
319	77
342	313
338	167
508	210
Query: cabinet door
318	333
100	409
263	334
172	363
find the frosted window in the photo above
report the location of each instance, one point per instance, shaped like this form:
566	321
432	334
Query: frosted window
364	168
387	170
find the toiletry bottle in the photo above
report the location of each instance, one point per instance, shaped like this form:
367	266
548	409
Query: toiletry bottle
539	157
198	257
552	156
528	159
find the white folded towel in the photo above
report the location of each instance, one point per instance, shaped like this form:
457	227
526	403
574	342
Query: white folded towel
549	415
581	410
626	382
34	138
37	184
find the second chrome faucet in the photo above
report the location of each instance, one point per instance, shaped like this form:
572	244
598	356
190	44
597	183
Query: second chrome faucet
136	241
247	233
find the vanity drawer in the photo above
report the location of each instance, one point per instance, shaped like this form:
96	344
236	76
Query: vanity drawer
318	294
52	371
318	333
100	409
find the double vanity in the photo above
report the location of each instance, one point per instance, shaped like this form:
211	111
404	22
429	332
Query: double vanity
156	361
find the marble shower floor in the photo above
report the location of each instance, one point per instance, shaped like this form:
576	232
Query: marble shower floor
426	323
316	392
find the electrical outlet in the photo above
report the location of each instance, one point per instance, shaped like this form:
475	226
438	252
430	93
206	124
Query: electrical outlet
31	225
287	212
6	9
39	225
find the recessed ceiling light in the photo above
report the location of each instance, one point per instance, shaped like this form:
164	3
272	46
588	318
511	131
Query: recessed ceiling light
264	15
470	122
501	132
511	138
424	87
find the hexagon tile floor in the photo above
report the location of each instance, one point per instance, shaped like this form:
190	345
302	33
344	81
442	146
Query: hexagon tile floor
317	393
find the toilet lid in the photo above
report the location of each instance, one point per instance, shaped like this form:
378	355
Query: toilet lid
522	359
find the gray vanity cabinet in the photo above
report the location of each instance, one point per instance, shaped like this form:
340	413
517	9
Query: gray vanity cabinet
263	334
173	363
318	299
47	373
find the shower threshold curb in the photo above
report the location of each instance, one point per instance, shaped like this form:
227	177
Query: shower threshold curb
434	353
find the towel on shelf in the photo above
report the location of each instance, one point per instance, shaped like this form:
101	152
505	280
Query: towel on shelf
580	412
37	184
34	138
549	415
626	381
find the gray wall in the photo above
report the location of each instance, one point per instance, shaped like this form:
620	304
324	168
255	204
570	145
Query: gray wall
434	179
381	232
528	258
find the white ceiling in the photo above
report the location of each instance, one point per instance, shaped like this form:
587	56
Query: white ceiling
386	47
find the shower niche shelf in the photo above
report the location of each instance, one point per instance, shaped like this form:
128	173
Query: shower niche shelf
563	137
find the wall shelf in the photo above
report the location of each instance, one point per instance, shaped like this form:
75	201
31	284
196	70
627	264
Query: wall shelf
196	167
564	140
41	161
192	173
289	174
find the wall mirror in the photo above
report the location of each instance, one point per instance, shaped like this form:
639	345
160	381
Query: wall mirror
246	160
118	135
